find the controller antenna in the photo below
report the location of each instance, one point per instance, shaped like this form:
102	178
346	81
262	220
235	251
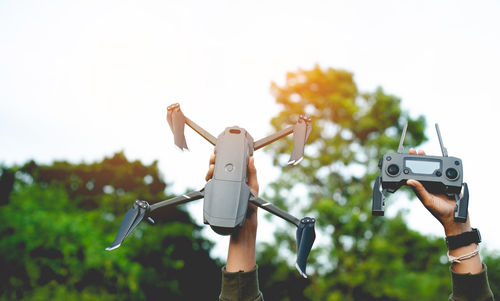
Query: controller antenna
444	151
401	148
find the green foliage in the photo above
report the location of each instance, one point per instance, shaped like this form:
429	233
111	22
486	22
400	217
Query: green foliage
276	281
492	261
357	257
60	218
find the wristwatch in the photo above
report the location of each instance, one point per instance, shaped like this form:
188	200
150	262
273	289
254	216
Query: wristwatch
463	239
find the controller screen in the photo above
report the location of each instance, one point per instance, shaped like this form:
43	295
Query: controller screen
422	166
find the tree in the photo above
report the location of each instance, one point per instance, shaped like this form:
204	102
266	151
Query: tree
492	261
61	217
358	257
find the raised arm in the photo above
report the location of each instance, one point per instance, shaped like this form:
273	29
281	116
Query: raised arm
240	275
470	281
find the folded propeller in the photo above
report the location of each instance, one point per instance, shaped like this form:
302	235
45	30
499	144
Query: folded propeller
131	220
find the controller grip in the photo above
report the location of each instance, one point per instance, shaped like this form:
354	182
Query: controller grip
462	206
377	199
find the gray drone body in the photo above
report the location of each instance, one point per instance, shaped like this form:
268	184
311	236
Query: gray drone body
226	195
438	174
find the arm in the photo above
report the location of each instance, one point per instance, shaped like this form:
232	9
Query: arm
239	276
469	276
241	253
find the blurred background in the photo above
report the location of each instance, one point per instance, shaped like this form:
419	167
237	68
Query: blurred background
84	87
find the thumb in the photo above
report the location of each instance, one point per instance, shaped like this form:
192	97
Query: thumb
252	171
420	191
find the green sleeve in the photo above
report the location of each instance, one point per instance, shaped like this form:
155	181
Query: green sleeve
241	286
470	286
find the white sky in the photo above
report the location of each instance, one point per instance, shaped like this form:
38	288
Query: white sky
82	79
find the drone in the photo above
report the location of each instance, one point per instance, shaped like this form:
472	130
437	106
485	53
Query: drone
438	174
226	195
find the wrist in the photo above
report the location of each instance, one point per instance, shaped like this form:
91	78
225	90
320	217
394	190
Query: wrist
469	264
463	239
241	253
240	258
454	228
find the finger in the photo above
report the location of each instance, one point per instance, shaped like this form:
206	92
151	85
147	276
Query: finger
252	176
422	193
412	151
210	172
420	152
212	159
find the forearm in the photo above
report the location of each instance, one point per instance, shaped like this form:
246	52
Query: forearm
241	253
469	277
472	265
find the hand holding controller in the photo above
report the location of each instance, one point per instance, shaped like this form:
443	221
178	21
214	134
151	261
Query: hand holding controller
439	175
439	205
443	209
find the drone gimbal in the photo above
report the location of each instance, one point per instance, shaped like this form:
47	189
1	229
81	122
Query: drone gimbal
226	194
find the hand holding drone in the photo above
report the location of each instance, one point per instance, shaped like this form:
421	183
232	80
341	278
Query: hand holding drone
241	250
227	195
438	175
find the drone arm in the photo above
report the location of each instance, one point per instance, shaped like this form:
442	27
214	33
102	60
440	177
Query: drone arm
301	131
201	131
178	200
176	120
141	210
274	210
305	231
271	138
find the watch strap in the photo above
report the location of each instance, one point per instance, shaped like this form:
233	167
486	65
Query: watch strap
463	239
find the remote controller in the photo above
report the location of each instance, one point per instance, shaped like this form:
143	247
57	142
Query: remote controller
439	175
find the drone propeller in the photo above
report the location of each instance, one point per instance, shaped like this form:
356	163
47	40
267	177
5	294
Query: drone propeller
133	217
301	132
305	240
305	231
176	121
